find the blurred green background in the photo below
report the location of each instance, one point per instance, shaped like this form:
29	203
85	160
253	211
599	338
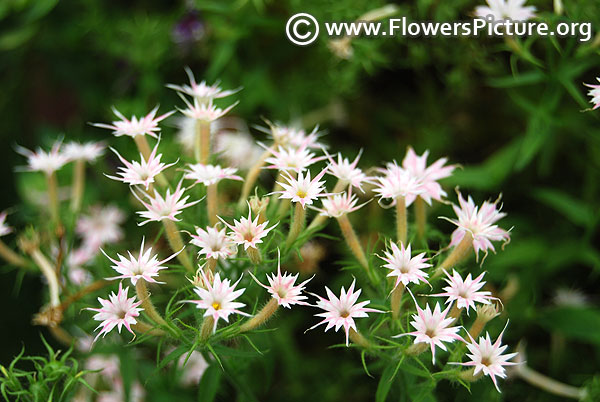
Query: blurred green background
516	126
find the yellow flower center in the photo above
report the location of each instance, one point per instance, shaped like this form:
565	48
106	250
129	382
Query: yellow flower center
216	305
301	193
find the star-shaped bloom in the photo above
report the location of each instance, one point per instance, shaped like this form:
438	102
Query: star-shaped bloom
283	288
346	171
340	204
405	268
4	227
140	173
237	149
147	125
100	226
210	174
288	136
218	299
594	93
206	112
397	182
479	222
118	311
202	91
291	158
500	10
427	175
42	161
465	292
87	151
145	266
341	312
487	357
167	207
433	328
302	189
213	242
248	232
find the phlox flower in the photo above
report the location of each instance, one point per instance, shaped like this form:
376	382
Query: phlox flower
337	205
291	158
465	292
514	10
238	149
206	112
288	136
341	312
479	222
42	161
433	328
210	174
213	242
594	93
100	226
283	288
167	207
202	91
145	266
218	299
397	182
427	175
87	151
193	367
143	172
117	311
346	171
4	227
404	267
147	125
302	189
248	232
487	357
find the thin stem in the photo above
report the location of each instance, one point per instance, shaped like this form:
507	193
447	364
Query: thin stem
396	301
176	243
549	384
78	185
144	328
416	349
359	339
459	253
284	207
478	326
207	328
298	222
211	204
401	225
251	178
92	287
254	255
469	375
11	257
202	144
352	241
53	198
211	264
50	274
455	312
142	145
61	335
421	217
320	219
261	317
144	296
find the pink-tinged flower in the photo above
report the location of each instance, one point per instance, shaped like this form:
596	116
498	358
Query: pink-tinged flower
479	222
248	232
193	368
206	112
397	182
283	288
101	225
340	204
237	149
117	311
88	151
291	159
506	10
213	242
79	276
302	189
4	227
427	176
346	171
107	365
167	207
147	125
42	161
465	292
217	298
594	93
145	266
405	268
433	327
487	357
210	174
202	91
140	173
287	136
342	312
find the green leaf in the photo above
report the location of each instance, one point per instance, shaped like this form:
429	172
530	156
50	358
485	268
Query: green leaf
209	384
574	210
581	323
